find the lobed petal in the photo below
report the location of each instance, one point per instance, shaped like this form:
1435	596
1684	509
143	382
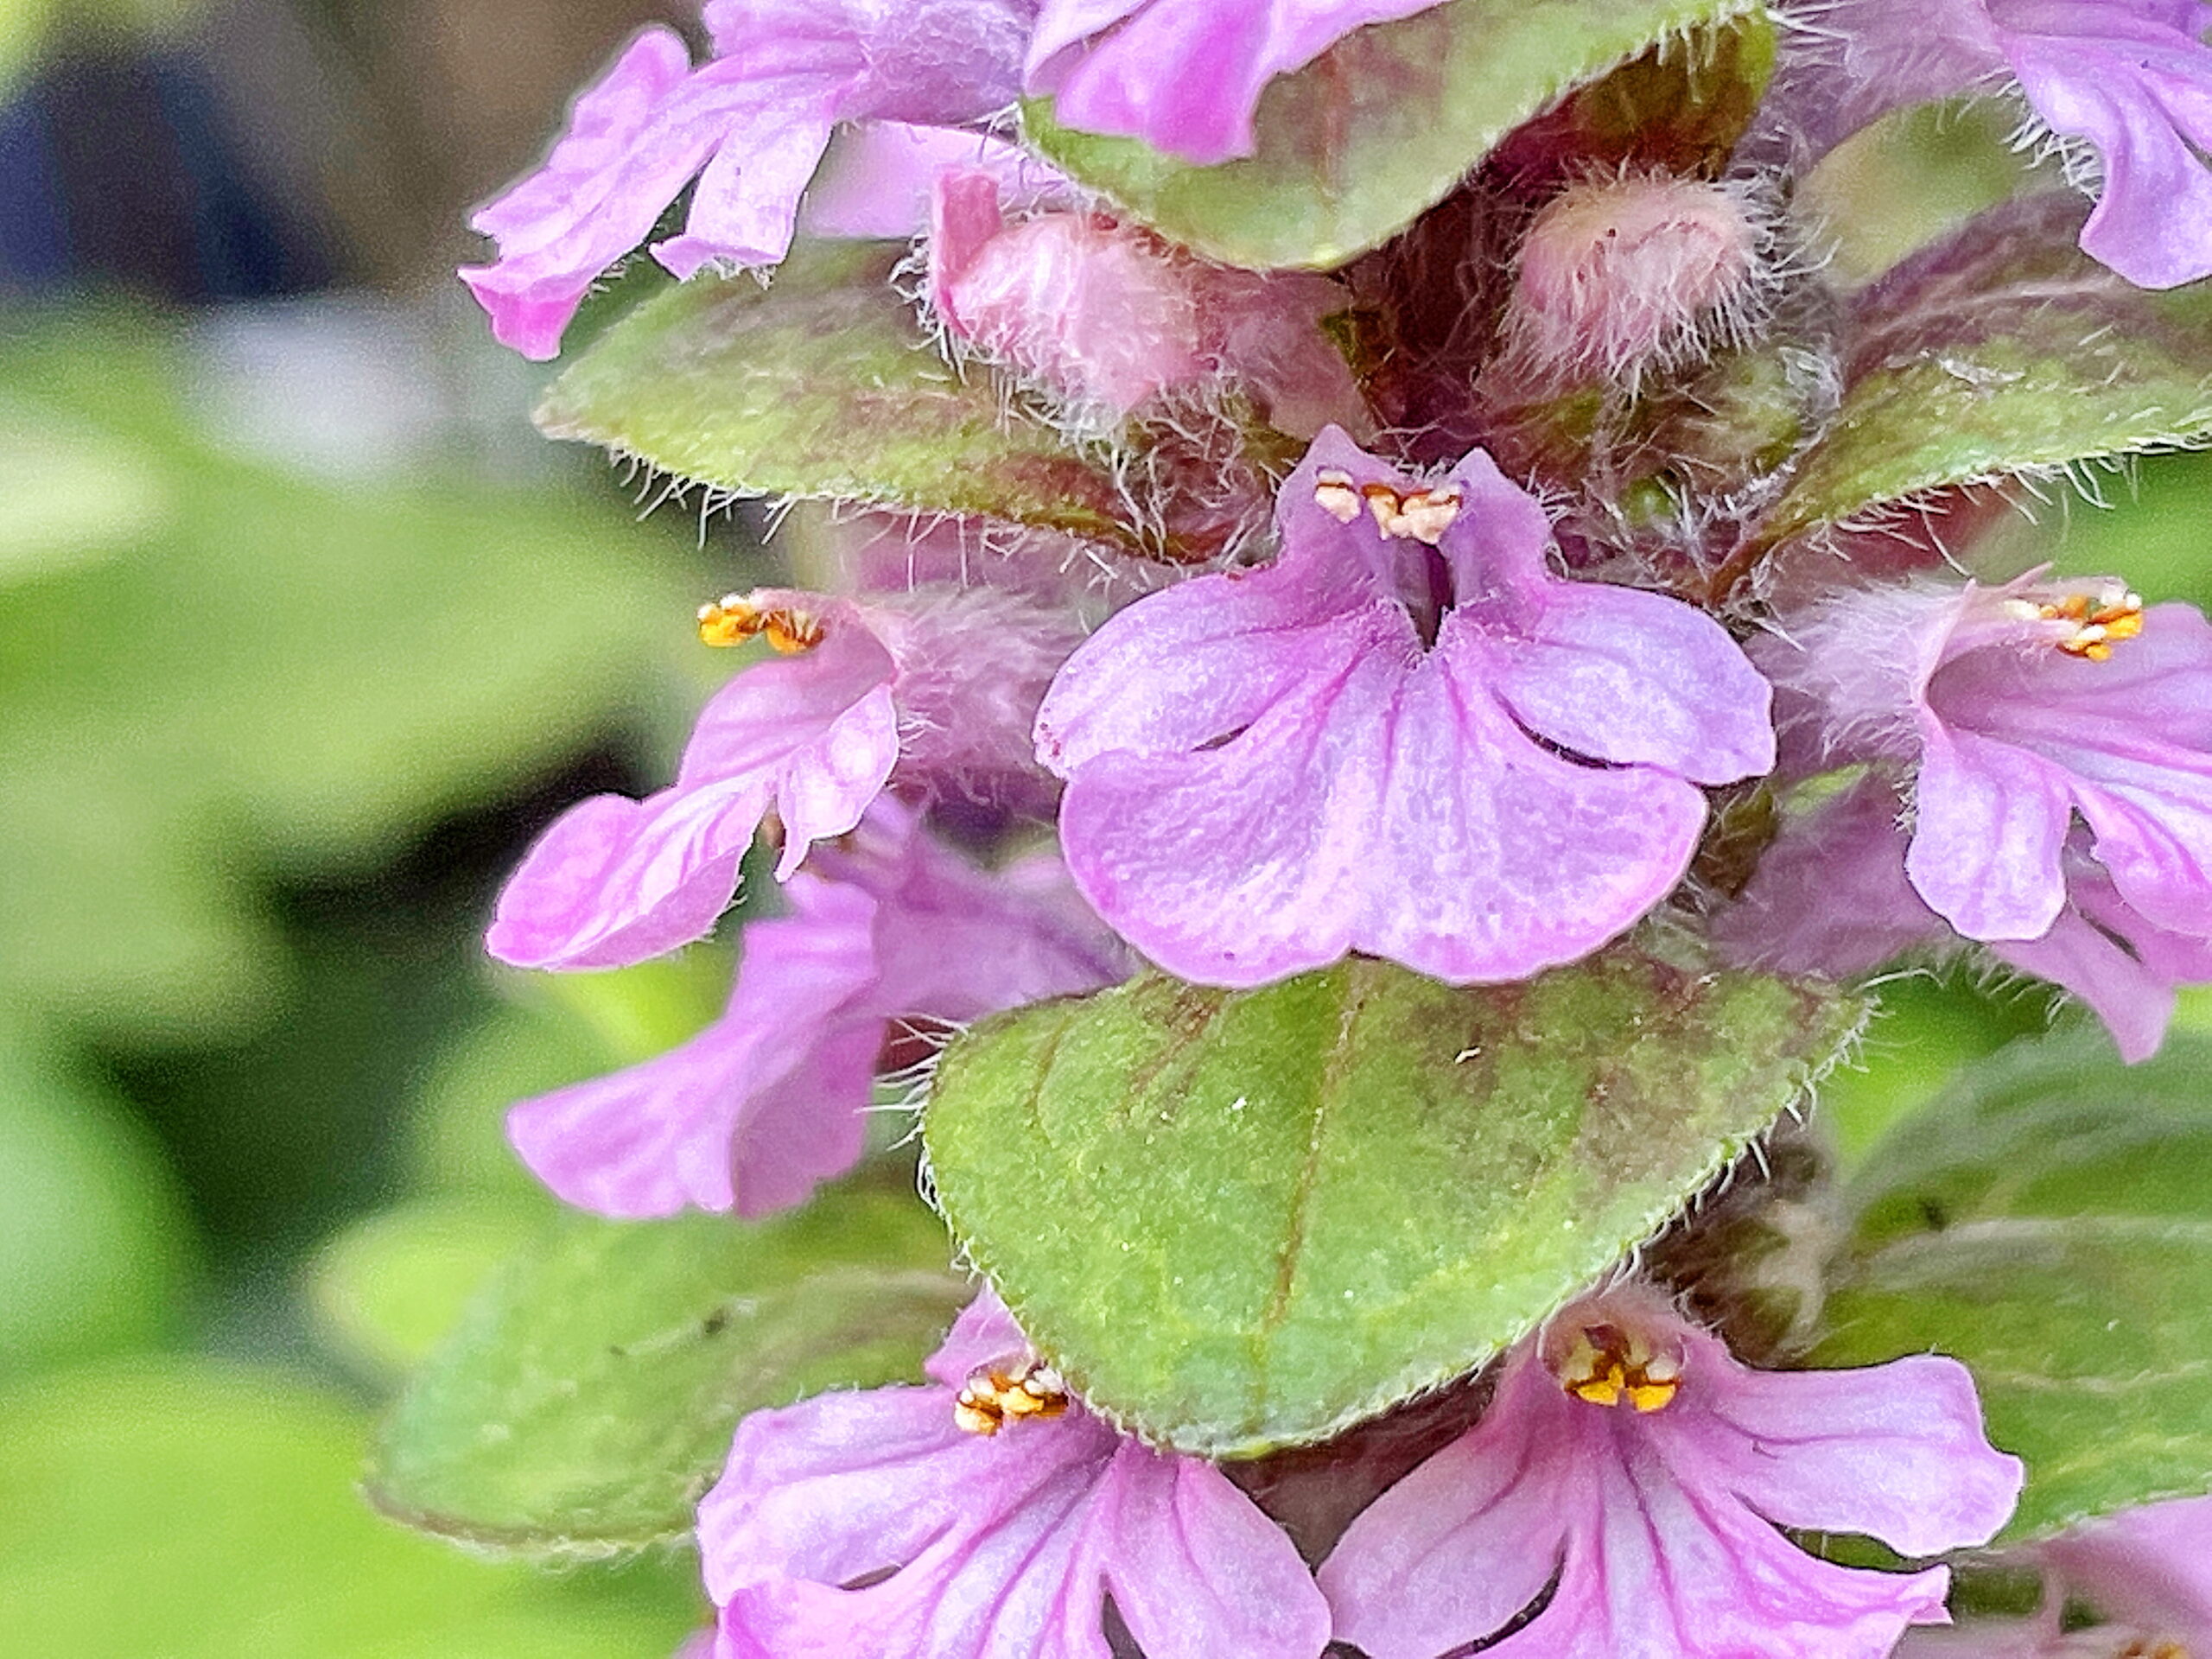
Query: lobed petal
1989	827
750	127
1184	77
1640	679
1897	1451
751	1113
1243	862
614	882
2135	82
1267	768
2147	1566
1461	1547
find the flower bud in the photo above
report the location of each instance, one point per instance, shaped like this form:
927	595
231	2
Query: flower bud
1106	318
1619	273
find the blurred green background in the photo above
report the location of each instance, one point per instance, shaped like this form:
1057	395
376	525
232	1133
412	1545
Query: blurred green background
302	633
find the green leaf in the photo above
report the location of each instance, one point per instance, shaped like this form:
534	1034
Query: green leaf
822	386
1358	144
388	1288
586	1401
1240	1221
194	1511
2049	1222
2003	351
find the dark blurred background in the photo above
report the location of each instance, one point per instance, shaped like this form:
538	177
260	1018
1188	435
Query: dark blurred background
304	631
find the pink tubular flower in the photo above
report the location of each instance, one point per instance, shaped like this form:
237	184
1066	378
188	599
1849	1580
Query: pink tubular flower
1832	896
941	684
765	1103
1107	317
2023	709
750	126
1632	1467
2148	1569
1359	746
2129	78
1184	75
875	1523
2145	1571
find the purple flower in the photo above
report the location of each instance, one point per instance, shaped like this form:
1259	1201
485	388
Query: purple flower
876	1524
1628	1458
1107	317
1404	736
768	1100
2145	1571
750	127
941	684
1184	75
2146	1568
2132	79
2060	736
1832	896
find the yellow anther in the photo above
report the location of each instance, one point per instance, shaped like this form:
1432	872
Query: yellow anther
733	618
994	1398
1607	1366
2099	624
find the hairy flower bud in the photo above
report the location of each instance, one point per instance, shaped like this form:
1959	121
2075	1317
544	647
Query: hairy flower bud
1106	317
1616	273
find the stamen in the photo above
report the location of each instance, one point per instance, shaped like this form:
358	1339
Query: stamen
1422	516
1429	514
733	618
994	1398
1337	495
2099	624
1607	1365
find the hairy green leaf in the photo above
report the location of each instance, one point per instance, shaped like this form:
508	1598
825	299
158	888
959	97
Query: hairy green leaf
2049	1221
822	386
586	1401
1243	1220
2004	351
1358	144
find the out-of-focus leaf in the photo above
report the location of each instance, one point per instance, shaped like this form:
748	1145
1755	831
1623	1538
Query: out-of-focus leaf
822	386
2049	1222
192	1512
389	1288
1239	1221
254	673
2002	351
586	1403
1927	1029
73	497
95	1243
1355	146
